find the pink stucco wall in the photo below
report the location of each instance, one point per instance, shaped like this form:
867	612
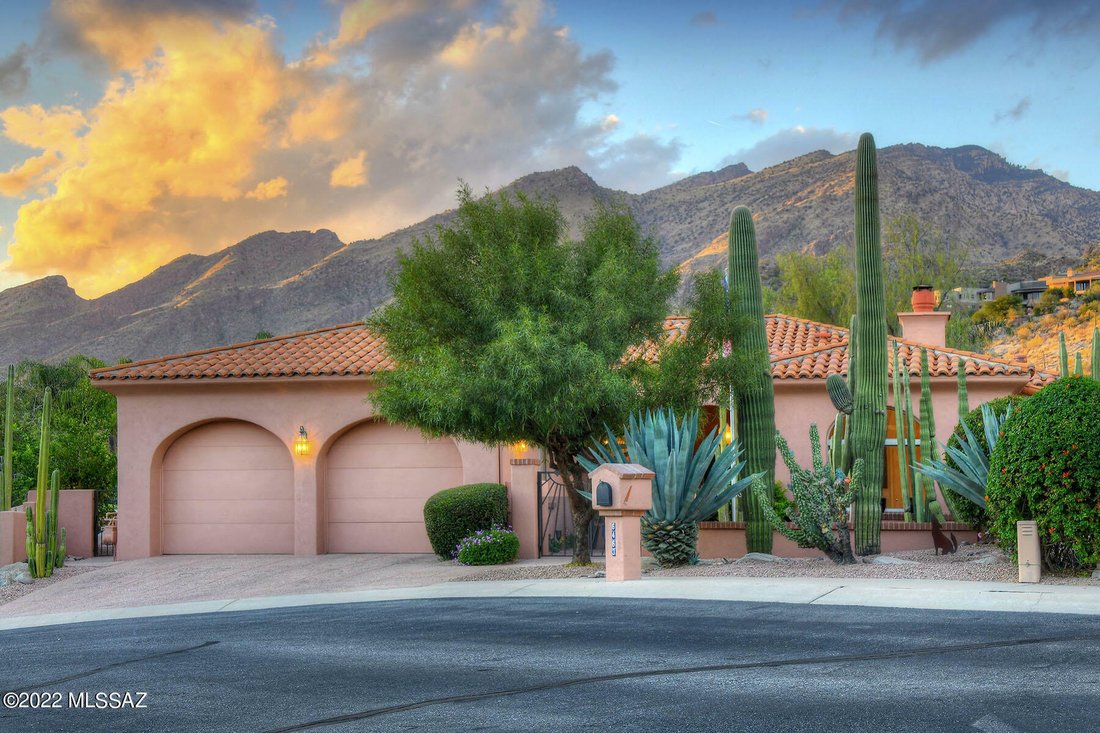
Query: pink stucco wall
13	537
76	513
151	416
801	402
727	539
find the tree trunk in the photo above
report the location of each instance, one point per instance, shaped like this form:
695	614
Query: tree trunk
575	480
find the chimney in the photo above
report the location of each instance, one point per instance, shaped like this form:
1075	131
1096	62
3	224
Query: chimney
924	324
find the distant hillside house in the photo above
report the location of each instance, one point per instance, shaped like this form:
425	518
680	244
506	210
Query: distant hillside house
272	446
1079	281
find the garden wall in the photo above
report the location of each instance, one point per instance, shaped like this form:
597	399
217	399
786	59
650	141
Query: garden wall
727	539
76	514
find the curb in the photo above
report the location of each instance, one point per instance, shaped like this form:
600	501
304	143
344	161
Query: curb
923	594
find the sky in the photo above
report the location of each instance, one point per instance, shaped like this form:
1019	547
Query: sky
136	131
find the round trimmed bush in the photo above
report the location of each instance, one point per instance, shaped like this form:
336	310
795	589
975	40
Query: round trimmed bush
453	514
493	546
1046	467
962	509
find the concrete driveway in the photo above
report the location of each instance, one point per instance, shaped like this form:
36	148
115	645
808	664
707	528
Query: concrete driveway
169	579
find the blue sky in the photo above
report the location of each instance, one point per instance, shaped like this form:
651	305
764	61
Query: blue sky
134	131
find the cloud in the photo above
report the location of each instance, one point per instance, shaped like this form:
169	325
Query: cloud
1016	112
704	17
14	72
758	116
791	143
203	116
270	189
936	29
610	122
350	173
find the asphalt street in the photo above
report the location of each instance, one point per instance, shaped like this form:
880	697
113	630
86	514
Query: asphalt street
558	664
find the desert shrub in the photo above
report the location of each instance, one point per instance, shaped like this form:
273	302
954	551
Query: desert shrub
453	514
492	546
962	509
1000	310
1046	467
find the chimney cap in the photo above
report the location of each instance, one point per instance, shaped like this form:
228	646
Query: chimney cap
924	299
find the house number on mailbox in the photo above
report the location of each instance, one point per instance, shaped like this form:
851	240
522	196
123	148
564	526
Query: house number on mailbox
614	539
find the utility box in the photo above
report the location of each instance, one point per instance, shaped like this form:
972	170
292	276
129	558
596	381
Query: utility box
622	493
1027	552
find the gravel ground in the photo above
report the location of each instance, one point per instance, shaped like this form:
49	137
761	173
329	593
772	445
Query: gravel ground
14	590
927	565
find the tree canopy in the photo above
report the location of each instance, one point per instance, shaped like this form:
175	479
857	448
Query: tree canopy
503	329
822	287
83	428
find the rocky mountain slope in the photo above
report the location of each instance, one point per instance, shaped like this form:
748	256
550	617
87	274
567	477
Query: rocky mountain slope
1001	216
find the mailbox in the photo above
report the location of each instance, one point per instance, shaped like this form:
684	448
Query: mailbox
623	493
629	487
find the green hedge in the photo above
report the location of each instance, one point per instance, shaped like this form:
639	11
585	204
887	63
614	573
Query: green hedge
453	514
962	509
1046	467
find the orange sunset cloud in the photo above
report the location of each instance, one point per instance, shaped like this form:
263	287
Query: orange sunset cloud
203	132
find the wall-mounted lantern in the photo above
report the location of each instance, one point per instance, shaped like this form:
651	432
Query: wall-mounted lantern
301	443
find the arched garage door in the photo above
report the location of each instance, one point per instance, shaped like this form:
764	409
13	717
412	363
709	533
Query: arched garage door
378	477
228	487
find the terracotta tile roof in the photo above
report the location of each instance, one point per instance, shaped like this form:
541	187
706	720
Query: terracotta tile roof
832	355
346	350
799	349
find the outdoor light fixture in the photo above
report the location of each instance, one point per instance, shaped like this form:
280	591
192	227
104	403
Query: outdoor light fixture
301	443
727	435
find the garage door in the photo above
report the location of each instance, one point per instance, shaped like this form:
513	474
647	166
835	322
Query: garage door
378	477
228	488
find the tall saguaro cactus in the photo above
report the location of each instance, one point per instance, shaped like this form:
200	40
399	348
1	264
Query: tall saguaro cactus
869	412
9	407
1095	363
1063	356
41	519
755	400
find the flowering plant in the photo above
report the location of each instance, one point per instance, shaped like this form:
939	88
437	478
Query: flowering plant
492	546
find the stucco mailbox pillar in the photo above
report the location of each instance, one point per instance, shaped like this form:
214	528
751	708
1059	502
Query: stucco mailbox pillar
622	493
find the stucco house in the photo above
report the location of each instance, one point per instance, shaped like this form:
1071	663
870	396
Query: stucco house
272	446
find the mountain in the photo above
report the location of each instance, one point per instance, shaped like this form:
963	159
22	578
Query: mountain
1006	219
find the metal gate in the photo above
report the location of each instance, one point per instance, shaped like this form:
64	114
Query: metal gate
556	535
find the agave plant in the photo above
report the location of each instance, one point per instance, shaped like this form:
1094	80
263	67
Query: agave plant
690	484
969	479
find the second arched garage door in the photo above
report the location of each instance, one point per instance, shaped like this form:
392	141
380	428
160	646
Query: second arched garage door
378	478
228	487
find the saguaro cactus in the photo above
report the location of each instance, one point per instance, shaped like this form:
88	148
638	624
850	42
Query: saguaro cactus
9	407
41	520
929	447
1063	356
868	431
901	427
1078	365
756	400
1095	365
